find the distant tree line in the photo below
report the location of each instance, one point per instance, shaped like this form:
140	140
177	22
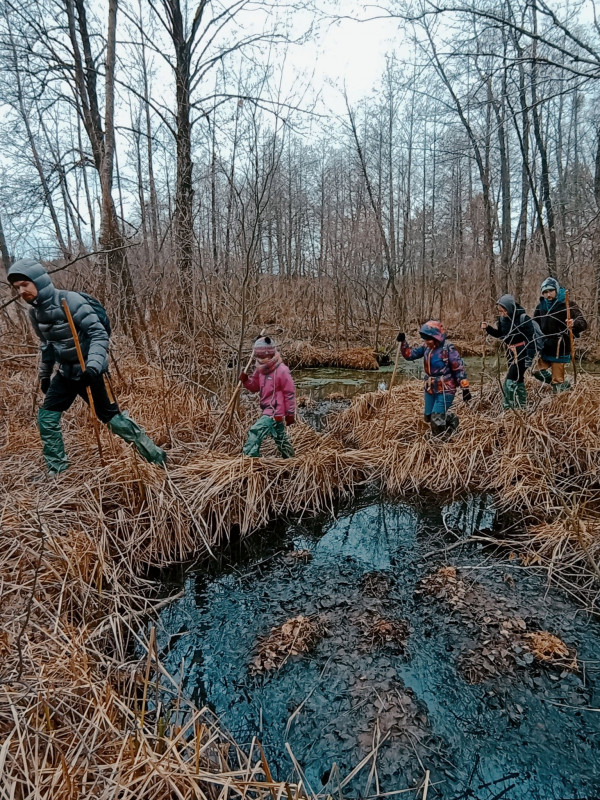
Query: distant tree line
157	136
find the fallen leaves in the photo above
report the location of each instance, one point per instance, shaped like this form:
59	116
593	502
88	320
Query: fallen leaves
295	637
504	640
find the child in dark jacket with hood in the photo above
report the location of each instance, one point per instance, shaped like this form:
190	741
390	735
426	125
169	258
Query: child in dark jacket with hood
273	381
551	315
518	334
445	373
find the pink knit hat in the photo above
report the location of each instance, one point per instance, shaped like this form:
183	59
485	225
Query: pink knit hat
264	347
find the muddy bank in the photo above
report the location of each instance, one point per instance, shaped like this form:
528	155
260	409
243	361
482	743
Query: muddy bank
434	672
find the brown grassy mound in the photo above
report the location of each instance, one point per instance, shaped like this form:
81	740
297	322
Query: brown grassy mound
301	355
293	638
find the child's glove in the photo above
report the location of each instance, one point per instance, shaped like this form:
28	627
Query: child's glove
466	392
290	419
278	419
243	377
401	337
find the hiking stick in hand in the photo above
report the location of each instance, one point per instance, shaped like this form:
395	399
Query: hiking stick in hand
71	322
571	339
387	407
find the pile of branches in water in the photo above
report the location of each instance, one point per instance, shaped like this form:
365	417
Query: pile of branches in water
76	710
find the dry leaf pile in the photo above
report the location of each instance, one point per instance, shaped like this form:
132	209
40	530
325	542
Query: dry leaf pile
295	637
503	639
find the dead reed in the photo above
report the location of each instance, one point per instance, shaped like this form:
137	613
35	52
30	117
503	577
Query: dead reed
75	713
300	355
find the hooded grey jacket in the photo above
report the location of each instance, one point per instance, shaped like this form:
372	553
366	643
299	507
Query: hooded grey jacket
50	324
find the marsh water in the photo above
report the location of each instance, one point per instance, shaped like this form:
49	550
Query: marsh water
412	669
487	719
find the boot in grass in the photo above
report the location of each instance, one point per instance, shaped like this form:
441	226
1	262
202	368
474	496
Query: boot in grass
520	396
266	426
130	431
543	375
557	388
452	422
438	424
53	446
508	394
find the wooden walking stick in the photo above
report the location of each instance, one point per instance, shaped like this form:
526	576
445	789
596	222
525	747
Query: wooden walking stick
387	407
571	339
231	404
69	317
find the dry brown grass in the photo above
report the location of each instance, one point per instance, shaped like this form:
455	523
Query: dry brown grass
300	355
72	553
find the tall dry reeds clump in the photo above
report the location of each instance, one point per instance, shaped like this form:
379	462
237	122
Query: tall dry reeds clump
303	355
542	467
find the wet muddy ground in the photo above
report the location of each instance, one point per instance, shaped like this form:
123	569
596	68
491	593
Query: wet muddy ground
370	632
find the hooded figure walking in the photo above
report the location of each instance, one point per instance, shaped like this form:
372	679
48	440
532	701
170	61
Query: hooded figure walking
51	326
517	332
273	380
551	315
445	371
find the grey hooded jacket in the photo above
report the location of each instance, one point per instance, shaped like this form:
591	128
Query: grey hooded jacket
50	324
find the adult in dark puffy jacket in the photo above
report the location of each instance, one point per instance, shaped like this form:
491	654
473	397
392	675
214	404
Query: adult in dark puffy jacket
551	316
50	323
518	334
445	373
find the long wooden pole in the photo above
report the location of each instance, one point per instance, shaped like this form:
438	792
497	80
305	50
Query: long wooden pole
231	404
387	406
571	339
71	322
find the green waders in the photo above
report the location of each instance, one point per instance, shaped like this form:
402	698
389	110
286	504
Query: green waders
514	395
53	446
543	375
130	431
266	426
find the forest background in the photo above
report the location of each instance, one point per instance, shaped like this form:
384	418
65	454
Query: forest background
175	157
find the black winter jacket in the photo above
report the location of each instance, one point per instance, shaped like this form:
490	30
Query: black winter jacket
516	330
551	316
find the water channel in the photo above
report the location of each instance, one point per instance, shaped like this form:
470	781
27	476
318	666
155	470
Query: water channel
431	669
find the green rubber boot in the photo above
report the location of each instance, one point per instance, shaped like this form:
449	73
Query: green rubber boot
266	426
557	388
508	394
521	396
130	431
543	375
53	446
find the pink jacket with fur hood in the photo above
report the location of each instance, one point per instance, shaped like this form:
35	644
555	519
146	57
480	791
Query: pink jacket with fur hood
277	391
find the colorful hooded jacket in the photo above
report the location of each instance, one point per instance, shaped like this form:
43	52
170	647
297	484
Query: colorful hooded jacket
516	330
444	368
551	316
51	327
276	388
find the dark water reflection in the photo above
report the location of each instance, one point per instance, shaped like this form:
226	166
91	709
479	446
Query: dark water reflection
527	733
320	383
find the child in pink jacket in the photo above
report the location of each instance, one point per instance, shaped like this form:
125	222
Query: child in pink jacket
273	379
